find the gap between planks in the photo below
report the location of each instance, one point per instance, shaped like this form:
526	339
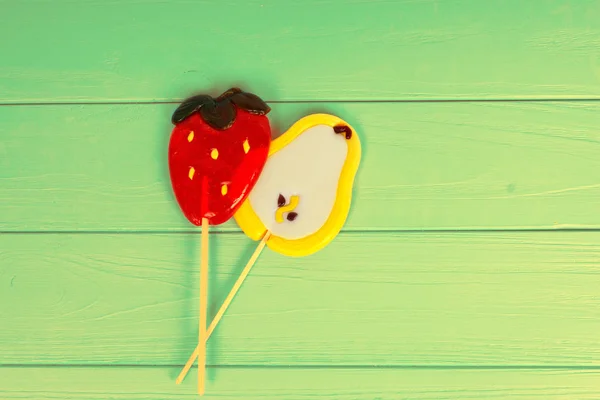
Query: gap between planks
343	232
321	367
134	102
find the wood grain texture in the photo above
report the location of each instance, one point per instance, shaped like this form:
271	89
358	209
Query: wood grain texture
439	166
248	384
455	299
146	50
98	267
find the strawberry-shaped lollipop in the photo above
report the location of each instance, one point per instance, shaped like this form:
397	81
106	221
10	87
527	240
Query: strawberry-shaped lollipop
217	151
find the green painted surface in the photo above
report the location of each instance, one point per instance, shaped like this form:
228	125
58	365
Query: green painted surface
258	384
394	299
425	166
132	50
458	269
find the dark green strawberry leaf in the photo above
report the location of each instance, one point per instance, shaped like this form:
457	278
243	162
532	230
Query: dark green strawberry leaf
219	115
250	103
229	93
220	112
190	106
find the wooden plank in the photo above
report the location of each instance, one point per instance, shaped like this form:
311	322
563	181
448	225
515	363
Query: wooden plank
434	166
283	383
312	50
500	299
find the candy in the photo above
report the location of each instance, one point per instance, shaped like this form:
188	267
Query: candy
302	198
304	193
217	151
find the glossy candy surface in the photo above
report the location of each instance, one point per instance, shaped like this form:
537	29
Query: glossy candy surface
217	151
304	192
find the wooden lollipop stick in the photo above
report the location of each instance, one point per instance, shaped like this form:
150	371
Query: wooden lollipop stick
223	308
203	307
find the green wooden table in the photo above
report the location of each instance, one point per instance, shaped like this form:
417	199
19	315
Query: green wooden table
469	266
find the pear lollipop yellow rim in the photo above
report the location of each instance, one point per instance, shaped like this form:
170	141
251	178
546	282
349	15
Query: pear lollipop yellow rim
253	227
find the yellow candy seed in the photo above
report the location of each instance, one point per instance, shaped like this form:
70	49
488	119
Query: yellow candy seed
214	153
224	190
191	136
246	146
191	172
294	200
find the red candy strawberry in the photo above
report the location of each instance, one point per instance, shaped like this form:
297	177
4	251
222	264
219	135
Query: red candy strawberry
217	151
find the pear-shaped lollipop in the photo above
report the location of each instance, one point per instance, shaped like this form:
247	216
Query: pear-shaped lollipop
302	197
